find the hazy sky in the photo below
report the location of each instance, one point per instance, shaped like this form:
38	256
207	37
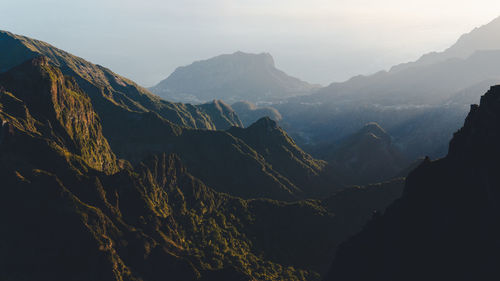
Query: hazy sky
317	40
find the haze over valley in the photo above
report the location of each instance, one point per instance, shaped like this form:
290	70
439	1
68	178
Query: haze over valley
301	141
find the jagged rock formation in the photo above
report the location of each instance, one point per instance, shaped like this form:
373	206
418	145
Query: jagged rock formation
136	124
38	100
73	212
446	225
110	93
249	113
231	77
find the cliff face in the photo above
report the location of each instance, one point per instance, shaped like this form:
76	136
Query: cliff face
109	92
137	123
40	101
446	225
75	214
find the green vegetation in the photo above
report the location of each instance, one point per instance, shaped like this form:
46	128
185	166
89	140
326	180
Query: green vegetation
99	218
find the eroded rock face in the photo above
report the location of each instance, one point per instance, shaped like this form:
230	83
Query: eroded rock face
447	224
40	99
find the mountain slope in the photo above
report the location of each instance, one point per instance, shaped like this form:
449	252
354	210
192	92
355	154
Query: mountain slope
107	90
403	97
231	77
105	220
61	111
221	160
446	224
366	156
222	115
249	163
479	39
273	143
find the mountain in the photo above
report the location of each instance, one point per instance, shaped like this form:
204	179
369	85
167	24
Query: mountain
76	212
61	112
479	39
231	77
223	116
274	144
364	157
137	124
111	94
437	85
446	224
249	112
259	161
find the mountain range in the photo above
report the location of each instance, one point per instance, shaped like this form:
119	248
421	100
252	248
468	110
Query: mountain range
103	180
137	123
420	103
445	226
76	210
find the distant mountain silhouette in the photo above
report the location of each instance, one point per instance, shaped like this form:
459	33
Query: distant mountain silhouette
231	77
446	225
438	85
249	112
366	156
479	39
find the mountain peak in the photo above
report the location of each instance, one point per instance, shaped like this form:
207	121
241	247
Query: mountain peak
481	38
231	77
222	115
446	223
479	133
265	123
373	128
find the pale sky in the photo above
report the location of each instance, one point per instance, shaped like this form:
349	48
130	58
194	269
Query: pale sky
316	40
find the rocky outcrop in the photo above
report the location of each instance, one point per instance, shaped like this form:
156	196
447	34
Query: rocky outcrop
446	225
40	100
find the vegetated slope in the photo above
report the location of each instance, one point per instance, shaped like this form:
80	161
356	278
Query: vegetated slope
223	116
232	162
224	162
274	144
110	93
75	213
364	157
446	225
231	77
47	104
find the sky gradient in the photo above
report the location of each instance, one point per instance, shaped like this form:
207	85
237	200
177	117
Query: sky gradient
317	40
